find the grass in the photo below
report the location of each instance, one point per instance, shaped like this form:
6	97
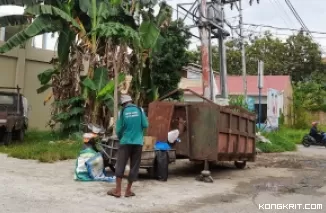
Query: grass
283	140
44	147
50	147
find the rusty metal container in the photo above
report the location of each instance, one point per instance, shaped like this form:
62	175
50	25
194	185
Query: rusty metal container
207	131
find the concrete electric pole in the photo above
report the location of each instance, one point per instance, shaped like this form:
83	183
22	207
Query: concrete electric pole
205	59
210	22
243	52
221	44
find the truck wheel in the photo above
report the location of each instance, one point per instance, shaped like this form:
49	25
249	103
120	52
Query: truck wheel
21	135
240	164
7	138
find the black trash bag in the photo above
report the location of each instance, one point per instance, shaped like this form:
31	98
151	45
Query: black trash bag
162	165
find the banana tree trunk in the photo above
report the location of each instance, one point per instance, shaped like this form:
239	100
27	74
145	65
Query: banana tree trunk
117	65
116	82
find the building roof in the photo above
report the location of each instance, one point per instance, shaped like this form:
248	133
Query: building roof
323	60
235	84
192	67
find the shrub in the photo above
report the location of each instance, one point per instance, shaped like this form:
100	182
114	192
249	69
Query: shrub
283	140
278	143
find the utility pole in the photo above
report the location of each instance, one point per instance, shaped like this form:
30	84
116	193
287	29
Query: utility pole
204	37
210	21
243	52
223	70
260	87
211	74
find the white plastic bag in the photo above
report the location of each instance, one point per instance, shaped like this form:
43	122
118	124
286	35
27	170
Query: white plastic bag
173	135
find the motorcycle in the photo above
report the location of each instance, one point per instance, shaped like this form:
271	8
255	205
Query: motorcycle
97	138
308	140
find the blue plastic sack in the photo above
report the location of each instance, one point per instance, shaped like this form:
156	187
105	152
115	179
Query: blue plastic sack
95	168
162	146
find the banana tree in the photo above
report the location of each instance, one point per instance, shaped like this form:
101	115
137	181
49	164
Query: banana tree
151	41
93	38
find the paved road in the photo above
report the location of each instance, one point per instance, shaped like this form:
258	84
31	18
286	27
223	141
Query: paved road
290	178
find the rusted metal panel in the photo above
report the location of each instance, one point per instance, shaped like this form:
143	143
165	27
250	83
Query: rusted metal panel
203	140
159	118
207	131
236	139
179	121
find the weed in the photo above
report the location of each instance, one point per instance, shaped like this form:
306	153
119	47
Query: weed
45	146
283	140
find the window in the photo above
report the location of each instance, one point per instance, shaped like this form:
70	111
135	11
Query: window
193	75
6	100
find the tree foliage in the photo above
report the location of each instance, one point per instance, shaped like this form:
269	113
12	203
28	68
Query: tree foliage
94	38
297	56
308	96
168	62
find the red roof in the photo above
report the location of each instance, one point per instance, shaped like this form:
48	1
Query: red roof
235	84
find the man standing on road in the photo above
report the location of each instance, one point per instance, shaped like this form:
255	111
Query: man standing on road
129	128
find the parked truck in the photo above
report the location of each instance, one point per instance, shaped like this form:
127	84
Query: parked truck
13	114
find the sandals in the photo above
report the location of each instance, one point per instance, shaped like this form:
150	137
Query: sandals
130	195
113	193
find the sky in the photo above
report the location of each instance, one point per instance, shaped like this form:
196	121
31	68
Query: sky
267	12
275	13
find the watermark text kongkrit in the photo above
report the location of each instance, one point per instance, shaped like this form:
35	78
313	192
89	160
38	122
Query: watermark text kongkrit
290	206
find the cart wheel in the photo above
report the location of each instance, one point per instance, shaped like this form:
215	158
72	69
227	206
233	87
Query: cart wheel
7	138
151	172
240	164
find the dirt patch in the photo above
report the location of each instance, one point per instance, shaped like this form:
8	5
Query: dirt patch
306	185
290	161
309	175
224	198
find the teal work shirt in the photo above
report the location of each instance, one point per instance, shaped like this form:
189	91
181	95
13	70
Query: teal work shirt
130	125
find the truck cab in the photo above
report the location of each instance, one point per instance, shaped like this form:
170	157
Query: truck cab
13	115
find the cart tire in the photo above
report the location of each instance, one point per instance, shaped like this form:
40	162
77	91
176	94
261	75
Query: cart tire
151	172
21	135
240	164
7	138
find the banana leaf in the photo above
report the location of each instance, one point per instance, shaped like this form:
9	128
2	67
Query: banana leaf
42	24
149	34
109	87
43	88
51	11
46	76
100	78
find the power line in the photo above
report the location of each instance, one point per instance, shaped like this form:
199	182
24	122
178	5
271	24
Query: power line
285	28
296	15
282	8
281	34
285	21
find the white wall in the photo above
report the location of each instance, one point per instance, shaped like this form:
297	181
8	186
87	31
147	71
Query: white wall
193	75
